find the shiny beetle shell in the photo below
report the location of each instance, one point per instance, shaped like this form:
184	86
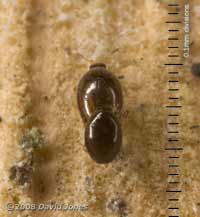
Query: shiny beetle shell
99	89
103	136
100	102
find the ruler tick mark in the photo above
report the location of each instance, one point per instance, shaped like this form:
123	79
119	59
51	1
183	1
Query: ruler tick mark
173	72
171	98
174	149
174	191
172	56
173	30
173	115
173	13
173	123
173	47
174	64
172	22
173	157
173	165
173	215
173	199
173	5
173	39
173	89
172	140
173	106
173	81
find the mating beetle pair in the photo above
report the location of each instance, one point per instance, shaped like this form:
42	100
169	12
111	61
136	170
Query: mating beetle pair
100	102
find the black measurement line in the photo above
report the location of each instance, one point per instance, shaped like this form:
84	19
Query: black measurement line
173	165
174	98
173	30
172	22
173	123
173	132
173	55
173	5
173	73
174	149
173	89
173	208
173	115
173	106
173	81
173	174
173	47
174	191
173	13
173	39
174	64
173	199
173	216
173	157
172	140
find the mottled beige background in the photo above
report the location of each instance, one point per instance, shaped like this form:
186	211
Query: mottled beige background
45	47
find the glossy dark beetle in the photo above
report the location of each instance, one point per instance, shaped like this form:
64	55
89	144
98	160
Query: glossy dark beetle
100	102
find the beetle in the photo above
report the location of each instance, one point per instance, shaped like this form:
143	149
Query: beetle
100	102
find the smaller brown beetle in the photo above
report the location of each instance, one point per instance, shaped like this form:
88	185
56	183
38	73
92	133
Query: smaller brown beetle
100	102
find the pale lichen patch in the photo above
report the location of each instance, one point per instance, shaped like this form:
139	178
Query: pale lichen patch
21	171
32	140
117	205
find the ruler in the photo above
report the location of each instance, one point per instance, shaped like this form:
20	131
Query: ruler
178	52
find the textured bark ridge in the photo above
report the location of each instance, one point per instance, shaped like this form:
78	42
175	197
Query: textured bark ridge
45	48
